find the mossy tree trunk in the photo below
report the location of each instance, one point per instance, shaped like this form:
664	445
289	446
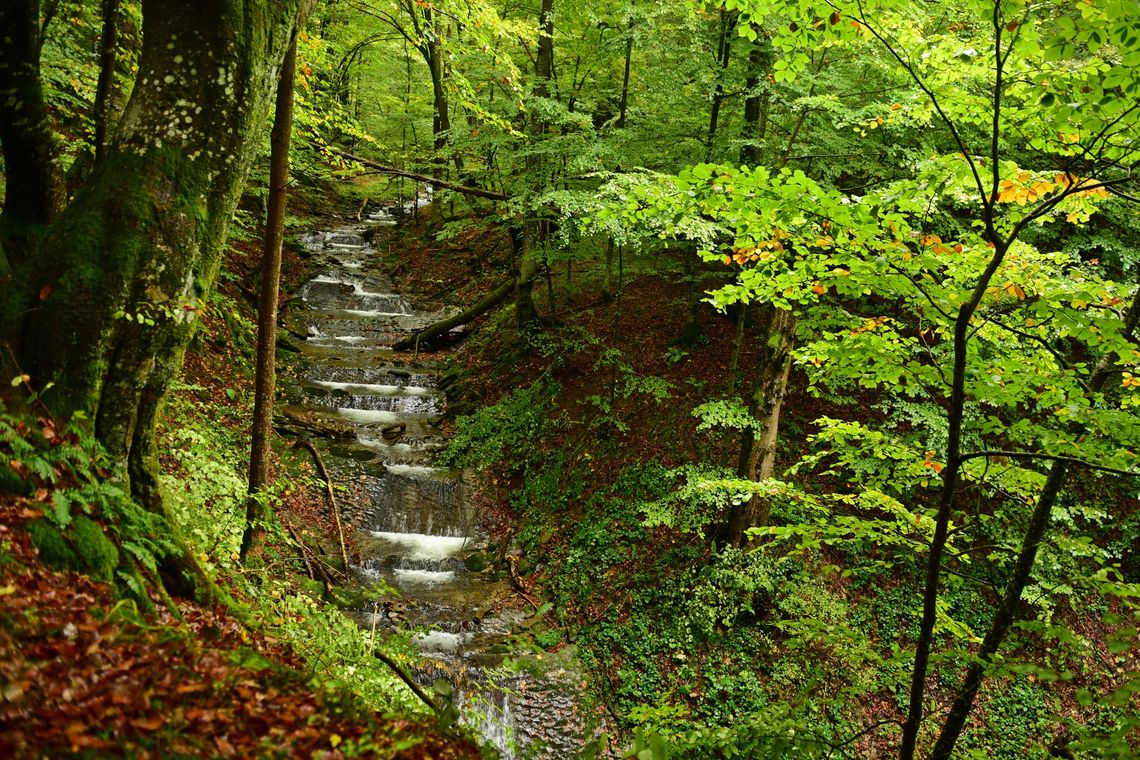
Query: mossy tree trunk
112	292
758	447
532	237
34	190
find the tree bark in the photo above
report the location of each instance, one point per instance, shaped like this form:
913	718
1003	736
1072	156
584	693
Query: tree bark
532	236
756	102
261	433
108	50
723	54
34	189
737	348
490	301
623	106
1006	613
758	448
118	279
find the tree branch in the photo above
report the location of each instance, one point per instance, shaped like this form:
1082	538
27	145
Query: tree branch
1050	458
434	181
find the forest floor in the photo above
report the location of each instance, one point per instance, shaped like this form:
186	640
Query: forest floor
84	672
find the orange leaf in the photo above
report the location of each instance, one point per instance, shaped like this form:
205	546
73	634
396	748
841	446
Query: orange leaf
45	292
148	724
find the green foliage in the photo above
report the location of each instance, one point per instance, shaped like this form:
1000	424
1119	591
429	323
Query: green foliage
71	468
488	435
733	587
54	549
725	413
206	492
770	733
624	383
1019	718
338	650
98	554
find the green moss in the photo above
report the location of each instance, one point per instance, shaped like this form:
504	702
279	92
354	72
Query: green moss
98	553
54	549
84	547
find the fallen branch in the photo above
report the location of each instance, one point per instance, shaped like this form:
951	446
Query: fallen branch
512	561
314	563
406	677
301	551
434	181
332	498
490	301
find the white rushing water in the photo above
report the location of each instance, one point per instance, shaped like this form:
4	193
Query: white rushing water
419	531
414	470
424	546
423	577
375	389
367	416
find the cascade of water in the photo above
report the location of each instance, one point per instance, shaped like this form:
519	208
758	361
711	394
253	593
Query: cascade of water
418	530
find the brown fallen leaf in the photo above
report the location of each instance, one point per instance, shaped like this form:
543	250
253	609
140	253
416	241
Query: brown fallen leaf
149	724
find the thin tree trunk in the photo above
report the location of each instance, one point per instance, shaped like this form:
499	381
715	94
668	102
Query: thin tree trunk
1011	600
530	239
758	450
608	282
737	347
756	102
723	53
264	379
324	473
103	92
623	106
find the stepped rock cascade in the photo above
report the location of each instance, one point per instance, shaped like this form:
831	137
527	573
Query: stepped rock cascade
416	528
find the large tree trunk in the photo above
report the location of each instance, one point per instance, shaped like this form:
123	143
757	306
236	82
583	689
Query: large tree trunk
34	190
758	448
117	281
756	101
261	431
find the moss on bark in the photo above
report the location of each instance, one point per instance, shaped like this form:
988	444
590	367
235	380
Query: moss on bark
111	294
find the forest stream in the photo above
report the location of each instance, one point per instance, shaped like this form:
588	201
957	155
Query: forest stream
416	527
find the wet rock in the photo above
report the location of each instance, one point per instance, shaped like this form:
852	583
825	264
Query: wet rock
393	432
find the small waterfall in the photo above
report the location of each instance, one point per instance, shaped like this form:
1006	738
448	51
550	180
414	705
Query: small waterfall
417	529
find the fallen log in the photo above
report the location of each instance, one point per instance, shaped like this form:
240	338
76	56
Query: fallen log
434	181
490	301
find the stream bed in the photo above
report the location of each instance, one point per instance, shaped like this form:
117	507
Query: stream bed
380	412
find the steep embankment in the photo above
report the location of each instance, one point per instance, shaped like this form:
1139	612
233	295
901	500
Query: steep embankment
586	436
93	666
